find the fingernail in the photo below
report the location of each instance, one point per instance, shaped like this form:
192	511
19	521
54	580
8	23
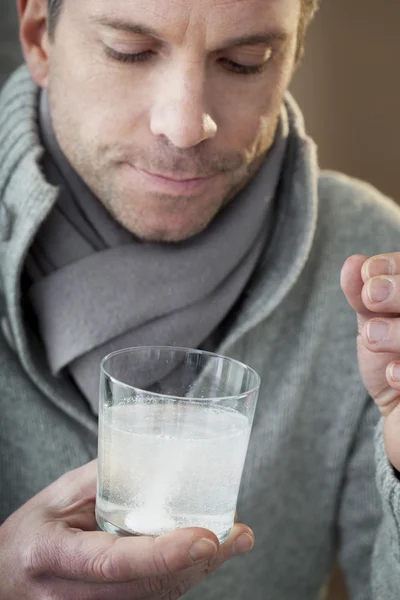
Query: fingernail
243	544
380	266
202	550
377	331
379	289
395	372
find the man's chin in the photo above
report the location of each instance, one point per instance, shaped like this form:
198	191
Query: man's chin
167	235
166	219
171	229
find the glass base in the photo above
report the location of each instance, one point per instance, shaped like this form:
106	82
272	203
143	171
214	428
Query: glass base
109	527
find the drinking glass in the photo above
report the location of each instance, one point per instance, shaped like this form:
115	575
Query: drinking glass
174	427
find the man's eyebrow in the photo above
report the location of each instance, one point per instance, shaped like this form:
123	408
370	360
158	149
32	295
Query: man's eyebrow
122	25
253	40
246	40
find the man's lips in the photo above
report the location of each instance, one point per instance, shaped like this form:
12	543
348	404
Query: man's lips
173	184
170	177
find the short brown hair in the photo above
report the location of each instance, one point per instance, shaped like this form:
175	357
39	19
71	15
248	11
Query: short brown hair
54	7
309	8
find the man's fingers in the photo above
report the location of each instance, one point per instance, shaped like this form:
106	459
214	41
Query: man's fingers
381	278
352	283
357	284
381	264
240	541
381	334
104	558
381	294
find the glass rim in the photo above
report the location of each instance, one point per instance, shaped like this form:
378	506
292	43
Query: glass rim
239	363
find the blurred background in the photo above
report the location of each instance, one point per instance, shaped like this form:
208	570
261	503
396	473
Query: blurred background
348	86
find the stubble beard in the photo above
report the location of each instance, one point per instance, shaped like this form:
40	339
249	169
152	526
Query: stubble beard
100	172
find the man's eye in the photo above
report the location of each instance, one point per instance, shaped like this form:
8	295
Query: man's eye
235	67
129	58
230	65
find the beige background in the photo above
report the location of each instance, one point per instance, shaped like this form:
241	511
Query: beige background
348	86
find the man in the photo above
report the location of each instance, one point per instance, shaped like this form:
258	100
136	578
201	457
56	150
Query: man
157	186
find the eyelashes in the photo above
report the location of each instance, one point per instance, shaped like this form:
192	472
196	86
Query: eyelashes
235	67
129	58
146	56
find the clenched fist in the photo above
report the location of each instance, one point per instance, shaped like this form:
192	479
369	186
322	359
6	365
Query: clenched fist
50	549
372	288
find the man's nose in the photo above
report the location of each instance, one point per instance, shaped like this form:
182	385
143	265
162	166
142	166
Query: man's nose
180	113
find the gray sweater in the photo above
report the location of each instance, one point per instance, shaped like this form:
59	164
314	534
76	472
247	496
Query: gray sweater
309	489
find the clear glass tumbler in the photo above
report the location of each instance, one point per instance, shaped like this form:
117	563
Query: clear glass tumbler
174	427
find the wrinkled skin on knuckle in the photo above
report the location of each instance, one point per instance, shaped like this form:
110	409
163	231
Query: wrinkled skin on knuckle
156	587
103	566
160	562
44	552
179	590
34	558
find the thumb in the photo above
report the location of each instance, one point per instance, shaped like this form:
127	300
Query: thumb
97	557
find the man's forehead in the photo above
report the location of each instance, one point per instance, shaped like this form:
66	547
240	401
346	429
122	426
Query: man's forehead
217	20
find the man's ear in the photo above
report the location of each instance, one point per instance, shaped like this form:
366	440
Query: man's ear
34	38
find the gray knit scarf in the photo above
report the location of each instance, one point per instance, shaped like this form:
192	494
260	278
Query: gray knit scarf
95	288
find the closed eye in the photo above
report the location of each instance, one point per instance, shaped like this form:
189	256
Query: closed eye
229	65
240	69
129	58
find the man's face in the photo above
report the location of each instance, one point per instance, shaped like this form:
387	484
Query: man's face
166	108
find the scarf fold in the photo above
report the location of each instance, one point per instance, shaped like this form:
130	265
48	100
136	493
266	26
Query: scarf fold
96	288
